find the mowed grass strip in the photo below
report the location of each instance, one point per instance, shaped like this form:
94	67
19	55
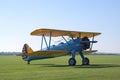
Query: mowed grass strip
102	67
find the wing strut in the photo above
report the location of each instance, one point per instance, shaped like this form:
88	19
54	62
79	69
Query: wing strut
50	40
65	40
42	41
92	43
45	42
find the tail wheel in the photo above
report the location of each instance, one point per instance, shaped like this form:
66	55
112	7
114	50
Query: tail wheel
85	61
72	62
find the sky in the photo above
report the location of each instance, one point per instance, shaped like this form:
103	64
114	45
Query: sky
20	17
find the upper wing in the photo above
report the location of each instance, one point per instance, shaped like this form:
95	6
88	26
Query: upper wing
55	33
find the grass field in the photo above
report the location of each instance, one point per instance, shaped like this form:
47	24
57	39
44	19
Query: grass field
102	67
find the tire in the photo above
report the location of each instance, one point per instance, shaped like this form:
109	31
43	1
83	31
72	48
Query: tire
28	62
85	61
72	62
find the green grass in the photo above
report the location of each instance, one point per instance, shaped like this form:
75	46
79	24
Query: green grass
102	67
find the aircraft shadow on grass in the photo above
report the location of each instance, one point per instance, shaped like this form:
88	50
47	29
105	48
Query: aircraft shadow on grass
81	66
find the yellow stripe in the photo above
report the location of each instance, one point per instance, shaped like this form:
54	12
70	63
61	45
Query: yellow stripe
54	53
49	53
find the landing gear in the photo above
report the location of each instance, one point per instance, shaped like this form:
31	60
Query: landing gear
28	62
72	62
85	61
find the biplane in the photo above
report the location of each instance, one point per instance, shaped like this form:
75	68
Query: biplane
78	42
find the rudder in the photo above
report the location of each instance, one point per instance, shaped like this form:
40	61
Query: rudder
25	51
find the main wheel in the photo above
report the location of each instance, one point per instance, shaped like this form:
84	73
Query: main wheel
72	62
85	61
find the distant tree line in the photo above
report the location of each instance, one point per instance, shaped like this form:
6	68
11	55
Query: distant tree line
9	53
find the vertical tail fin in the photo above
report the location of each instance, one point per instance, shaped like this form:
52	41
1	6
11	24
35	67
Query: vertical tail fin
25	51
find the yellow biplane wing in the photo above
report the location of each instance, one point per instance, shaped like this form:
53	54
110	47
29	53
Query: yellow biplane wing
56	33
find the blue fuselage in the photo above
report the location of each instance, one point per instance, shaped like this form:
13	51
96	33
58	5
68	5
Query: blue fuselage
73	44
